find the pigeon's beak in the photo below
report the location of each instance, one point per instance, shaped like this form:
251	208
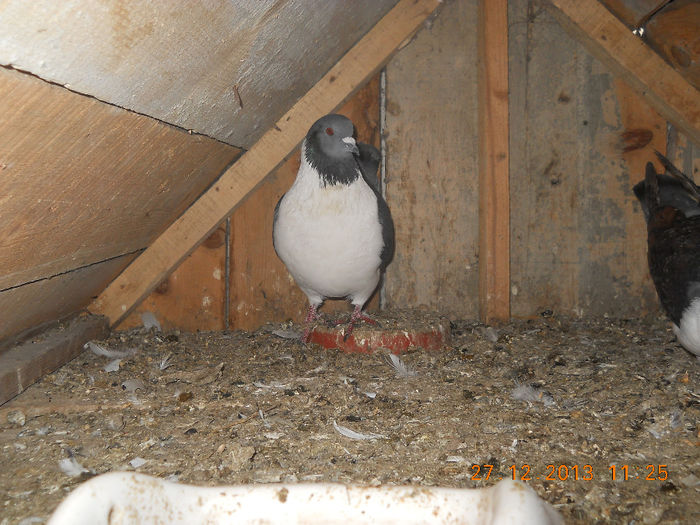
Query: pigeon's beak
351	145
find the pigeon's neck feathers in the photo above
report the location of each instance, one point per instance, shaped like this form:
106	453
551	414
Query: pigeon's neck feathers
330	170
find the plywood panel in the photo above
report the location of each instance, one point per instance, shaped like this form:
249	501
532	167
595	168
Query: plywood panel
432	166
225	69
82	181
51	299
261	288
192	297
577	238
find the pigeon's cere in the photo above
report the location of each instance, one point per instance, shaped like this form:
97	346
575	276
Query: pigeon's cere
671	205
333	229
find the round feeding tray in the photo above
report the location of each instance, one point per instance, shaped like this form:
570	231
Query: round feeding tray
397	332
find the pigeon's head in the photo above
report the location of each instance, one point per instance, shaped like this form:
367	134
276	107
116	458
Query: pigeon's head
330	148
333	135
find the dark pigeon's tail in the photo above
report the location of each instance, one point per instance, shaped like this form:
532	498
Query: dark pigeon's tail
673	189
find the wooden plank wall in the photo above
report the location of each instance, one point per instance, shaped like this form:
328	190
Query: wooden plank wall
579	140
432	169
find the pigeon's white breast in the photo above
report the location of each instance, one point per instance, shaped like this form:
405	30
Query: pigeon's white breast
688	333
330	237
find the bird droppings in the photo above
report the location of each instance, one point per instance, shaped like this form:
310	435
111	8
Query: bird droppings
597	398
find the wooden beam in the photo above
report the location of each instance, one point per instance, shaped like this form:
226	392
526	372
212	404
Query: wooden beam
24	364
183	236
494	197
626	55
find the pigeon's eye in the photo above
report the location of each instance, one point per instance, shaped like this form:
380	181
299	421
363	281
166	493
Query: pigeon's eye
329	131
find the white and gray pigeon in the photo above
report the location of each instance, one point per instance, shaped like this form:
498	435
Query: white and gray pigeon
332	229
671	205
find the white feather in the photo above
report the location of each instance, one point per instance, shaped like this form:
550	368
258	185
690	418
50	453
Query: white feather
100	350
401	368
70	467
149	321
345	431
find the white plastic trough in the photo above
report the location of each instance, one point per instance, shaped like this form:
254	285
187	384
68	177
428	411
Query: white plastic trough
128	498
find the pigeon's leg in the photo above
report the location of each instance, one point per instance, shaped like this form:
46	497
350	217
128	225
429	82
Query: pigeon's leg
311	316
357	315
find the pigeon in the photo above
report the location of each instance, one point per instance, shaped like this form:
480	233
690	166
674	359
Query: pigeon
333	229
671	205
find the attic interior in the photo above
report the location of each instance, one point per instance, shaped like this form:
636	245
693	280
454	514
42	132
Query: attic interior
143	147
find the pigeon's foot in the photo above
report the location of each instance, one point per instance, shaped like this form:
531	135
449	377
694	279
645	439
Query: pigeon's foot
311	316
357	316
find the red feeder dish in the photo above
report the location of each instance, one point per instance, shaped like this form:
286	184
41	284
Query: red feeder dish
396	333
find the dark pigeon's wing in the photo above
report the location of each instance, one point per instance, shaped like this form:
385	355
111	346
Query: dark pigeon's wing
674	259
368	160
387	230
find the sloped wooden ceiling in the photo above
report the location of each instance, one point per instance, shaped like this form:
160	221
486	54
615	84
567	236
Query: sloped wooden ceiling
225	69
116	115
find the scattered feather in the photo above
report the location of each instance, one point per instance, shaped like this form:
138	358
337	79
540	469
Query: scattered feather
132	385
137	462
71	468
149	321
30	521
262	416
165	362
273	384
273	435
401	368
531	394
100	350
371	395
112	366
355	435
287	333
454	459
690	481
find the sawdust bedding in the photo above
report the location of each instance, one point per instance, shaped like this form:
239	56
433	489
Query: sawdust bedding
559	403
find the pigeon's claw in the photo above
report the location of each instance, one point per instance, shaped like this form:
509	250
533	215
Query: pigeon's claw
357	316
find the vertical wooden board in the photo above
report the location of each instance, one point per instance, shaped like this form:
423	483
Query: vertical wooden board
578	242
192	297
51	299
261	288
494	205
432	174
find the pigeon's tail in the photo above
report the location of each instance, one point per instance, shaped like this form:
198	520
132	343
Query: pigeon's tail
671	189
691	188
